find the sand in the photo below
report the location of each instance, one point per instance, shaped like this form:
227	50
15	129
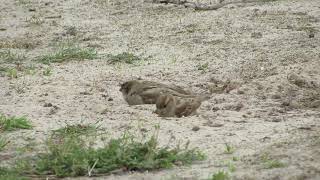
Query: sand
258	50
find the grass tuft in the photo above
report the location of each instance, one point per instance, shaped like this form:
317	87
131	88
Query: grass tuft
3	144
13	123
203	67
72	157
12	73
271	163
8	174
124	57
11	57
47	71
229	149
75	130
220	175
68	53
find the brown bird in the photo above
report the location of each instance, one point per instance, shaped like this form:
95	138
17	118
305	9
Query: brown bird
169	105
137	92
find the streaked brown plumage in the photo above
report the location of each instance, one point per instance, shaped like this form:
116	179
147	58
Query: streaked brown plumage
174	106
137	92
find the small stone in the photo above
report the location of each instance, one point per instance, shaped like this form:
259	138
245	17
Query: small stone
315	104
110	99
47	105
144	130
239	106
256	35
101	109
276	119
276	96
85	93
214	109
195	128
285	103
305	128
215	125
311	35
240	121
32	9
240	91
53	110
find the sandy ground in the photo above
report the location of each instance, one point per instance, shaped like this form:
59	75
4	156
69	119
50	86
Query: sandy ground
268	55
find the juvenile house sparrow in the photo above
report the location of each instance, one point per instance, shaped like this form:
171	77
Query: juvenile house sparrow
137	92
173	106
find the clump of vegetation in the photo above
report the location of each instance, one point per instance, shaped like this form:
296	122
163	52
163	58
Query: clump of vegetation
229	149
30	70
47	71
3	143
234	158
68	53
124	57
203	67
72	157
75	130
231	167
11	57
13	123
220	175
6	174
12	73
270	163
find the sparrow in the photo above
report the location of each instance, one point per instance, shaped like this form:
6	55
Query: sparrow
168	105
137	92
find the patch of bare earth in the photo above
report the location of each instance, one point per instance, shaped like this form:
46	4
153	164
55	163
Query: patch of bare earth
261	61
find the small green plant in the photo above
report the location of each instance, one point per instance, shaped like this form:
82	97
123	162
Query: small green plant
203	67
270	163
234	158
124	57
47	71
11	57
3	143
13	123
30	70
231	167
19	87
220	175
229	149
76	130
8	174
12	73
72	157
68	53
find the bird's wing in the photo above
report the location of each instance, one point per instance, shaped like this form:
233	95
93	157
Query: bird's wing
187	108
